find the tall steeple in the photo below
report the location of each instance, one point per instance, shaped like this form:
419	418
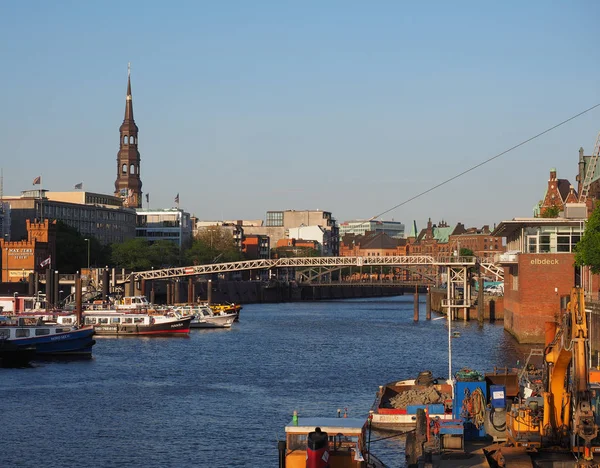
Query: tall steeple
128	185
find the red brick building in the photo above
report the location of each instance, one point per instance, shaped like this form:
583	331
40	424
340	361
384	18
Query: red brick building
538	270
372	245
479	241
435	239
20	258
558	193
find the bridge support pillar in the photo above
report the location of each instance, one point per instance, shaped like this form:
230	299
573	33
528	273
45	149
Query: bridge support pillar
480	303
416	305
176	296
209	292
168	293
190	291
152	292
144	291
428	305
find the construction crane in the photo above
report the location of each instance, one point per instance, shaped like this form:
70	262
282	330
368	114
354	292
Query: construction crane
590	170
563	418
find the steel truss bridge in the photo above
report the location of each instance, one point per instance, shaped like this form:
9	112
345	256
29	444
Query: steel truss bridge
313	268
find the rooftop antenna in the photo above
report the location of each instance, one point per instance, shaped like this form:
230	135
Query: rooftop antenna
128	69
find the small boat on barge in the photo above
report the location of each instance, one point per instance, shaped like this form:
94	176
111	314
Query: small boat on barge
48	339
396	404
332	442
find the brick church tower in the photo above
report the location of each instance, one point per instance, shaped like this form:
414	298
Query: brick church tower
128	185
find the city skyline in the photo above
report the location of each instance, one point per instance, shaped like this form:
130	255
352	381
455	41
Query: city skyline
346	108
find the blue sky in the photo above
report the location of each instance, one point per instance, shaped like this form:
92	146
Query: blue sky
351	107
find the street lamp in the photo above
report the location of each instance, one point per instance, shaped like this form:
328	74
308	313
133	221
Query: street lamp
88	254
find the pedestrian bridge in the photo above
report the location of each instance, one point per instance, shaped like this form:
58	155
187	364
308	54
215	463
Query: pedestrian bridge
414	262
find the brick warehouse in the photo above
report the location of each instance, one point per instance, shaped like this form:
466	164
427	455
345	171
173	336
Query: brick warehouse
538	269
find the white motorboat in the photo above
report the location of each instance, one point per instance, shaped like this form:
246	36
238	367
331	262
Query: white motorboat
204	317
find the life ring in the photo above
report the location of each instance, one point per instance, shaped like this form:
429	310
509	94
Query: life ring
152	320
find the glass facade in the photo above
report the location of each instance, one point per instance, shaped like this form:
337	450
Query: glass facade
552	239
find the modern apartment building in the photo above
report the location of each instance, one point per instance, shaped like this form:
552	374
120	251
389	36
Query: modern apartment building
171	224
359	227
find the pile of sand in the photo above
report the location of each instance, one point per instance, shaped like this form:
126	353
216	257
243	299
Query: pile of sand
426	396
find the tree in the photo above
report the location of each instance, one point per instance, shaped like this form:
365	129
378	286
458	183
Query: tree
72	250
550	212
139	254
464	252
213	244
587	250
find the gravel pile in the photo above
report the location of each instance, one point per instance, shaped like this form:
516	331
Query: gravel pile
426	396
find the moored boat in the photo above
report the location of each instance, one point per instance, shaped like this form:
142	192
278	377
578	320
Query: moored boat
230	308
204	317
335	442
131	324
12	355
47	339
396	404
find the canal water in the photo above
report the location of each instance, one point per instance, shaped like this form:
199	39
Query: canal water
221	398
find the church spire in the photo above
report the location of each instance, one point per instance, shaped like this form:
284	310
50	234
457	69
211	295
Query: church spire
128	185
128	99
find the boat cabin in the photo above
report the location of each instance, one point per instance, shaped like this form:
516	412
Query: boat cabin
133	302
345	436
116	319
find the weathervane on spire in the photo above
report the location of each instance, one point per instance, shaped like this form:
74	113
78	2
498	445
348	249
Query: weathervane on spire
128	69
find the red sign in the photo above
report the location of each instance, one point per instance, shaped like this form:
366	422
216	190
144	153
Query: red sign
189	271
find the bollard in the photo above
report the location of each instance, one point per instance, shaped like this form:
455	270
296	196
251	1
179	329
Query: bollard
78	299
105	284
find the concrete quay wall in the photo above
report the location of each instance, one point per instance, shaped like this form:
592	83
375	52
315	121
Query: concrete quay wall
246	292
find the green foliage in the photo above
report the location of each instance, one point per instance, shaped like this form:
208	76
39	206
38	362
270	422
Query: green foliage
551	212
139	254
587	250
464	252
288	252
72	250
213	245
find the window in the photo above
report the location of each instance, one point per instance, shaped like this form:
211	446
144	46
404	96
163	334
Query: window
274	218
132	169
22	333
125	140
124	169
563	243
131	139
532	243
42	331
4	334
545	243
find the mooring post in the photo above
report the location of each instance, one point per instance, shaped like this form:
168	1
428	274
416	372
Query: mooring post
176	295
209	292
168	293
480	303
190	298
144	292
78	299
416	305
428	304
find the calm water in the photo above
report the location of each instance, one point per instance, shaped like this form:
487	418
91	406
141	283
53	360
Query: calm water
221	398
